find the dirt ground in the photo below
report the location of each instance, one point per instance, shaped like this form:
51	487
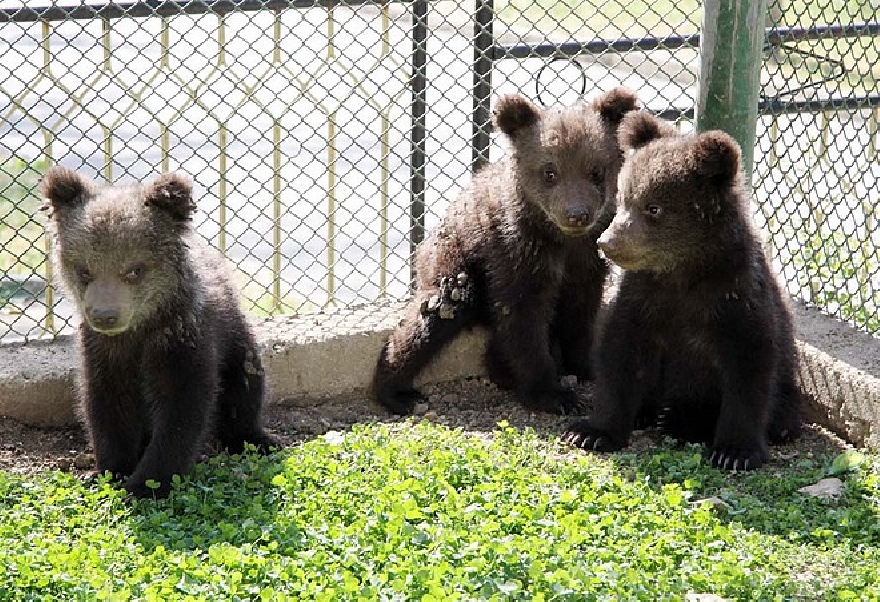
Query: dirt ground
473	405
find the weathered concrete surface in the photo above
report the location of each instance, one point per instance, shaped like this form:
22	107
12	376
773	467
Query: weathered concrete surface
840	372
318	356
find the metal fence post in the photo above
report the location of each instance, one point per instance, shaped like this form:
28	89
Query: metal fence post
418	84
731	43
484	41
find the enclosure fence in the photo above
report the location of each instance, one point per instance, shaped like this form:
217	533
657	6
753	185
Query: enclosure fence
325	137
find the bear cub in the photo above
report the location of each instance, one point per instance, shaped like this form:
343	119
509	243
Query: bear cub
516	253
699	334
167	354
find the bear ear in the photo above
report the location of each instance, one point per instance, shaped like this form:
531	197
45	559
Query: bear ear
716	156
64	188
613	105
171	193
513	112
638	129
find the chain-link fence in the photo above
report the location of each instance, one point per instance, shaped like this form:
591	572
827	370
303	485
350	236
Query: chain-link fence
325	137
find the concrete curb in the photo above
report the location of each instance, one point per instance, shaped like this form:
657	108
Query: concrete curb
325	355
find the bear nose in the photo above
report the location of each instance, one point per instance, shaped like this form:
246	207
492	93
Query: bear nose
578	216
104	318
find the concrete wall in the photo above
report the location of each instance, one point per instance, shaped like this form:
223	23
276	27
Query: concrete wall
324	355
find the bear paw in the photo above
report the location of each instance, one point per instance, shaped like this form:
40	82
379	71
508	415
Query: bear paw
401	401
734	458
581	434
556	401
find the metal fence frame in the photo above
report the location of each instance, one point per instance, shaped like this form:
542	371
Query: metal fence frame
487	52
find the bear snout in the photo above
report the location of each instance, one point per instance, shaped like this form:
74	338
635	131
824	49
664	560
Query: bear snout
578	216
103	318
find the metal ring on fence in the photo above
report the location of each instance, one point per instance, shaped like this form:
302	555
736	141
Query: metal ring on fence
570	59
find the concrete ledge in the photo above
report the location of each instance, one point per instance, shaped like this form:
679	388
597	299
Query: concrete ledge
313	357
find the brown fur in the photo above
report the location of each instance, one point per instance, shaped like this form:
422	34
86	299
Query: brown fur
516	252
700	333
166	352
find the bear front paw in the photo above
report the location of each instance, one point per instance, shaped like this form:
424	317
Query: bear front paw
737	458
581	434
401	401
556	401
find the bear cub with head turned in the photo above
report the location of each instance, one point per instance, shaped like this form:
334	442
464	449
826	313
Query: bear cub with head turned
516	253
167	354
700	333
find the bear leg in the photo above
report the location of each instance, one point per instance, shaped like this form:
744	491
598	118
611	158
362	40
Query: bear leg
431	320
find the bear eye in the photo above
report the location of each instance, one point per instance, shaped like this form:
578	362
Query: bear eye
549	173
653	210
597	176
134	274
84	275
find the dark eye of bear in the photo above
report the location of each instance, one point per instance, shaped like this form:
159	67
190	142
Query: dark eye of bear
135	273
549	173
596	176
653	210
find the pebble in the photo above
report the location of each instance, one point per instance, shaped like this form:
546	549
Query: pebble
420	409
84	461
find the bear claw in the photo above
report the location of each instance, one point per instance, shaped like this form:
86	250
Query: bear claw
581	434
736	459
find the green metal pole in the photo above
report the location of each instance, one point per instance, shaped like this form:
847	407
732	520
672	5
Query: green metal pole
731	42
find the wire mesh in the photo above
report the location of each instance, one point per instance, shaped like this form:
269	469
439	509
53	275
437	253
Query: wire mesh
326	137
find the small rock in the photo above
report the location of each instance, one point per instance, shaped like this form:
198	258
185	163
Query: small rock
461	279
455	295
431	415
84	461
450	398
433	303
64	464
825	489
420	409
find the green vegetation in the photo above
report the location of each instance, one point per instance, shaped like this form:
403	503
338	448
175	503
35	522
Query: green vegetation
22	247
419	512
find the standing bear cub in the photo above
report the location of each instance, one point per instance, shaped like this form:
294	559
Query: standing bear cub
699	334
166	352
516	252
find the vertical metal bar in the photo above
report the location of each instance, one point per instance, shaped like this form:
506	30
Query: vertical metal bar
418	84
730	61
222	142
331	207
331	173
384	168
484	17
108	153
47	141
384	175
276	214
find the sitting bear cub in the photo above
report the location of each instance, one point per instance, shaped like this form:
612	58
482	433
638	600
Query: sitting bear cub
700	333
166	352
516	252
